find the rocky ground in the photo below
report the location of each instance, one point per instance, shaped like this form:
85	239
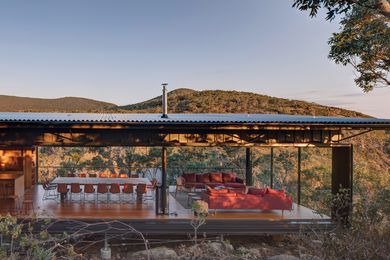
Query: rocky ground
268	247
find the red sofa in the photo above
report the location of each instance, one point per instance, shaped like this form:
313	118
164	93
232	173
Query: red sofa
212	179
261	199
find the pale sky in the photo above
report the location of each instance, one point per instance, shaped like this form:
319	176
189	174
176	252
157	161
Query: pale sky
121	51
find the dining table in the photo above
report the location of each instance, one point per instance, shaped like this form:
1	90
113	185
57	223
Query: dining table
96	181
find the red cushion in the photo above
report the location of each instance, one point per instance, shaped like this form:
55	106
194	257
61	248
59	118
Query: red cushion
256	191
229	177
216	177
189	177
234	185
275	192
214	191
203	178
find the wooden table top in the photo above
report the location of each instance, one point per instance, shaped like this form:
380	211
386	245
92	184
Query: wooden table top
70	180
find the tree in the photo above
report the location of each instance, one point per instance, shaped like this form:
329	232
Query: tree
364	38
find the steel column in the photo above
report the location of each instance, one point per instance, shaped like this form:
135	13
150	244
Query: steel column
342	173
36	165
248	168
164	180
299	176
272	169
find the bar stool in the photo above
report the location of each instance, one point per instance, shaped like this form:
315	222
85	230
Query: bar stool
75	189
141	190
88	190
152	189
115	188
102	189
63	190
14	205
128	189
27	206
9	190
2	190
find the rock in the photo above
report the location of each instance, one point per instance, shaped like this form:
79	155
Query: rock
317	243
254	252
228	247
309	257
282	257
216	247
161	253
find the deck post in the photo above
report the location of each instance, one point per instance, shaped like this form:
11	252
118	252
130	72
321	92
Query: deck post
342	172
164	180
299	176
271	184
248	168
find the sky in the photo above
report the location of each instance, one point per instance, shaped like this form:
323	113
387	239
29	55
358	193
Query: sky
121	51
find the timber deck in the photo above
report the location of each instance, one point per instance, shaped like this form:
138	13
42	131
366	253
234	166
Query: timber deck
143	218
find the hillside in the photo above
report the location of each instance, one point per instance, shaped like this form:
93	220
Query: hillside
65	104
179	101
218	101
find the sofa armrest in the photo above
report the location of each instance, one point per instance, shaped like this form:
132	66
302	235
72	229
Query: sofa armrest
239	180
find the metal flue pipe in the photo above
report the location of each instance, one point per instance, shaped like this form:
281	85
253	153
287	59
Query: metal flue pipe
164	101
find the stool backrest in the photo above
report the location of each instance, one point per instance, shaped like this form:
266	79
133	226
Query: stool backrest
75	188
128	188
89	188
115	188
102	188
141	188
62	188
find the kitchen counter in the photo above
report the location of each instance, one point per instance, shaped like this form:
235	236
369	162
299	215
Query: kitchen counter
10	175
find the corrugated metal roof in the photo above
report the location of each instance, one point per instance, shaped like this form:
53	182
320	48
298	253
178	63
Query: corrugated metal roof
185	118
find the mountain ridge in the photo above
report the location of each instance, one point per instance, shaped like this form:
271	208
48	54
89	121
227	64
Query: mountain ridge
62	104
181	100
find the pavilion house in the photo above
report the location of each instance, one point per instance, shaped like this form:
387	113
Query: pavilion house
21	133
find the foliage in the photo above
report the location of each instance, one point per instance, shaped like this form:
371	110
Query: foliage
21	241
364	38
367	237
200	210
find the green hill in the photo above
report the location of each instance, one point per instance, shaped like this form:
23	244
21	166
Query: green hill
219	101
179	101
65	104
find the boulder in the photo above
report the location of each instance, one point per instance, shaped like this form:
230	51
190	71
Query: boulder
282	257
309	257
161	253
